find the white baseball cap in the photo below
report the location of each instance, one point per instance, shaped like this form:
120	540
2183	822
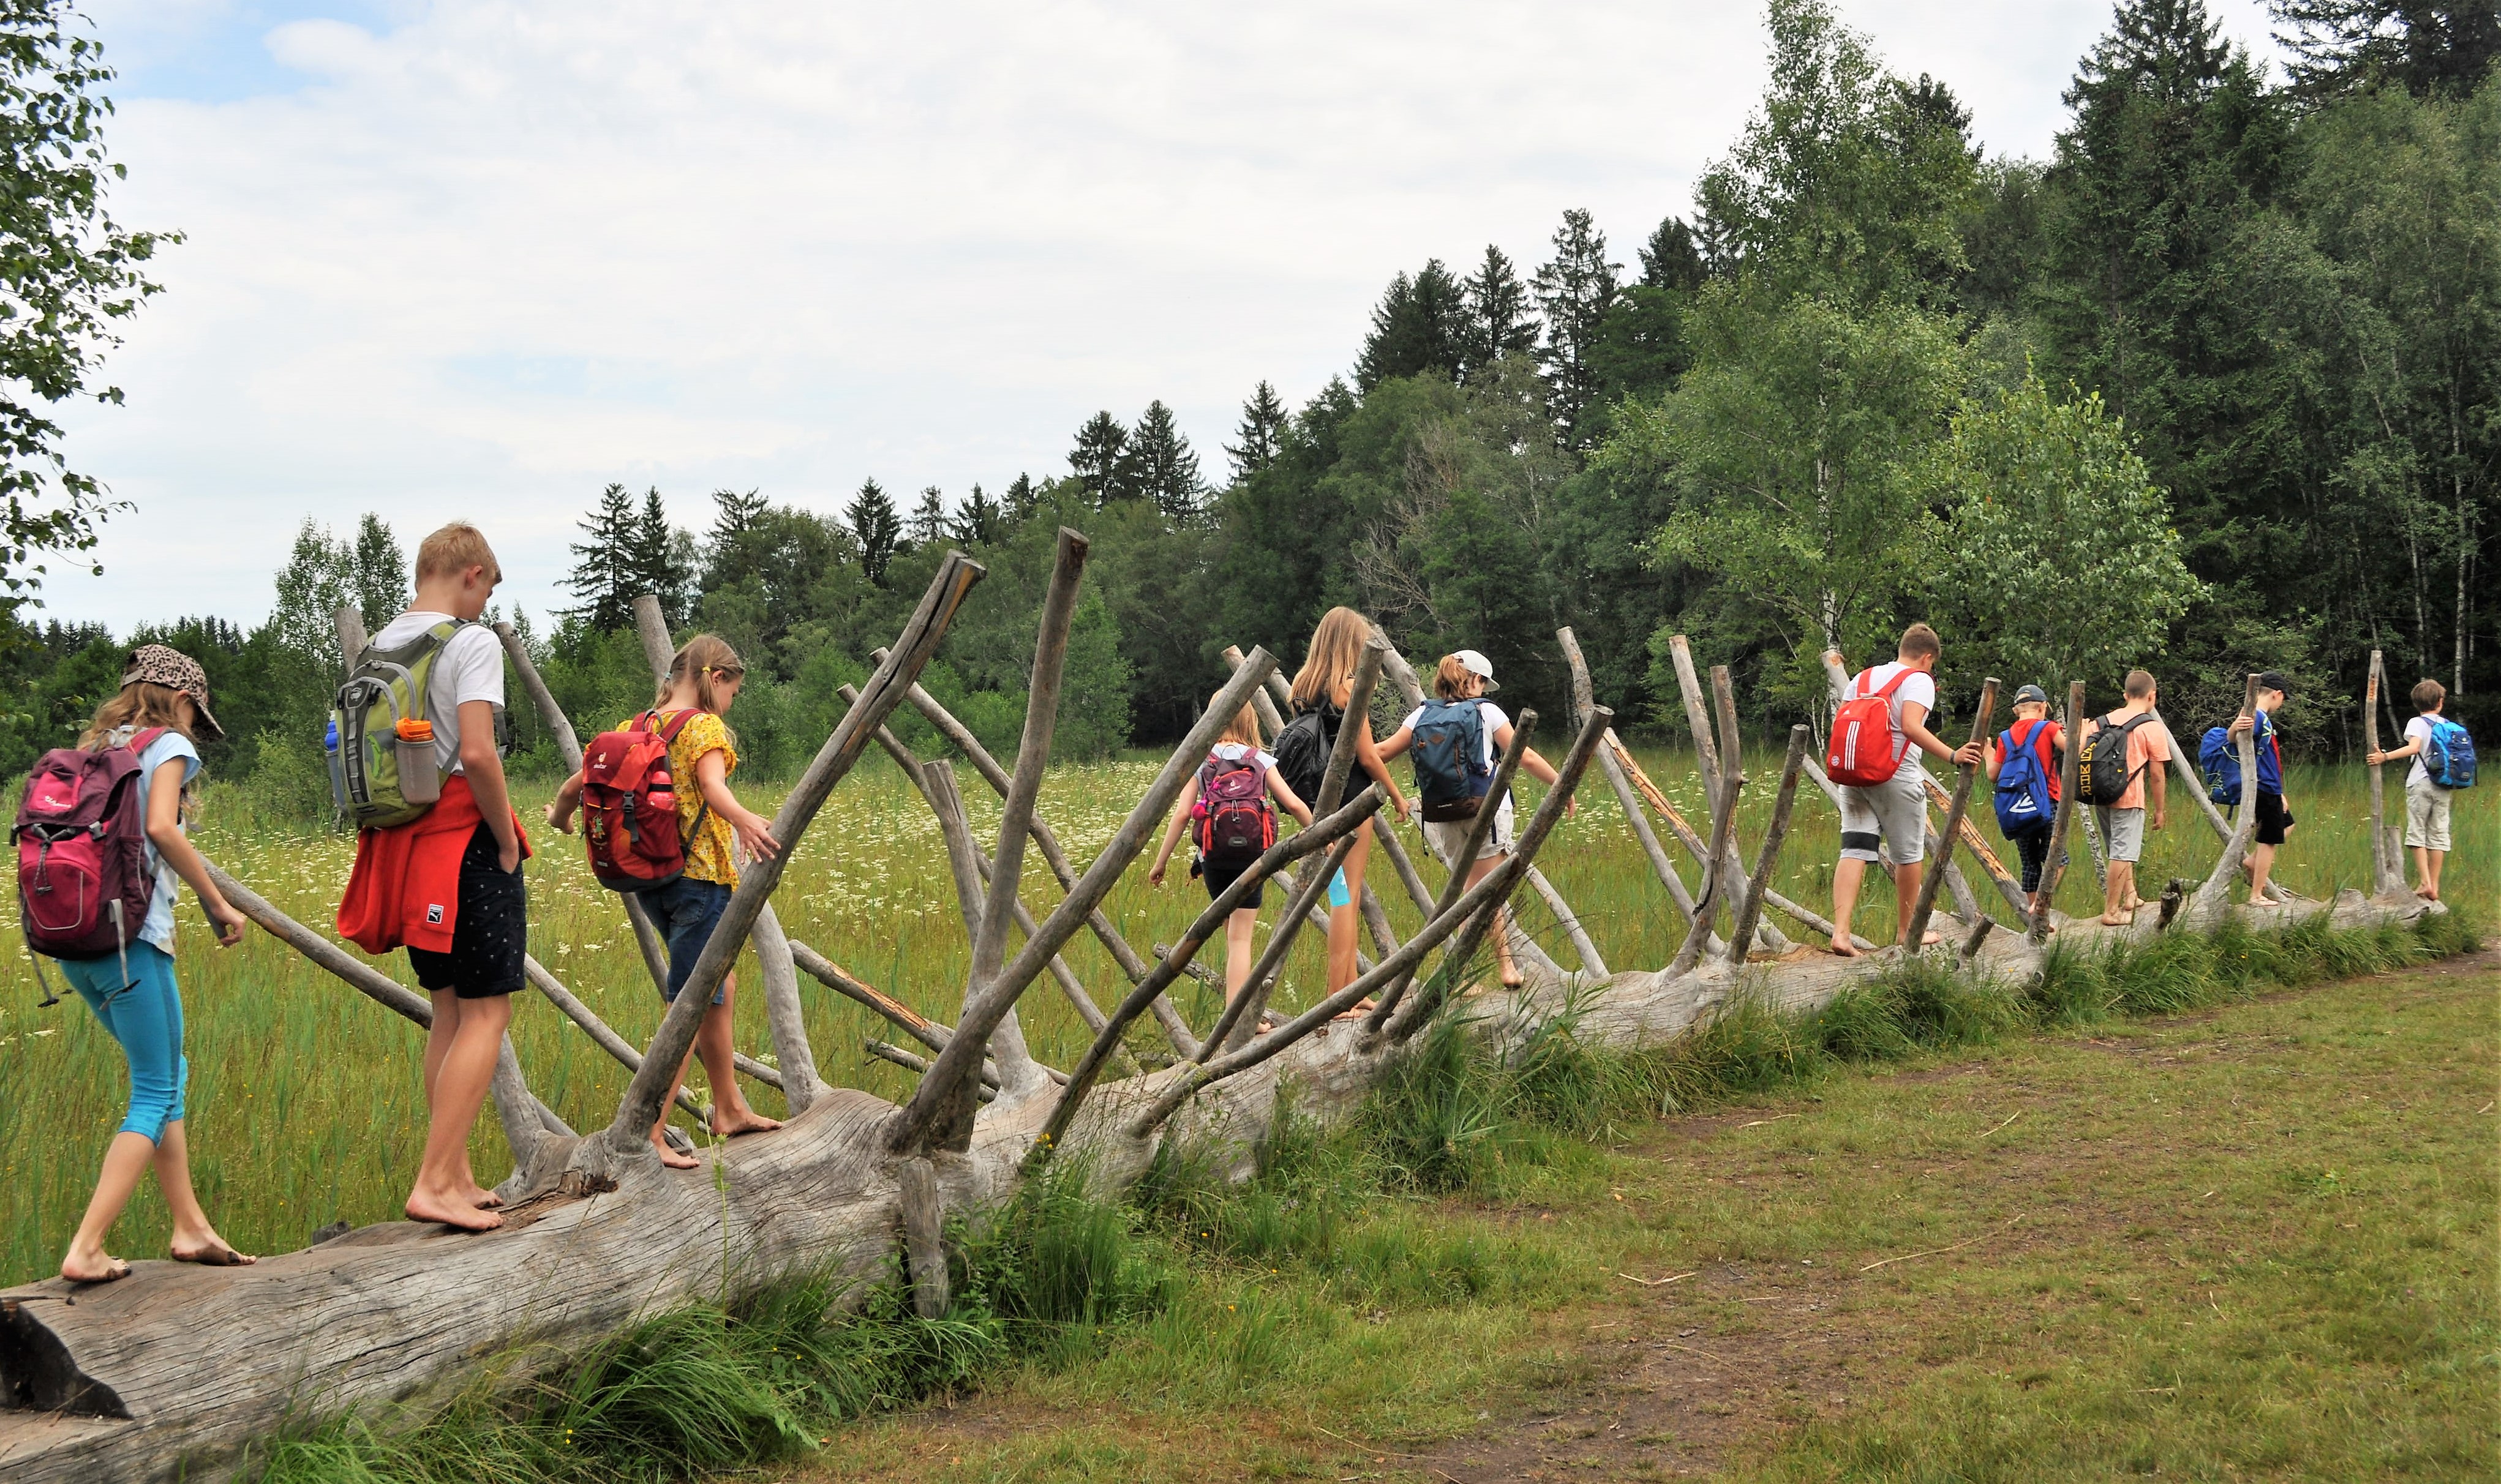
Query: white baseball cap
1479	666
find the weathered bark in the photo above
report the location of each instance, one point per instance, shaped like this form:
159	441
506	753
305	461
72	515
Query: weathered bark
1018	1075
1721	783
2385	874
1925	907
924	1255
2215	893
2055	865
1750	905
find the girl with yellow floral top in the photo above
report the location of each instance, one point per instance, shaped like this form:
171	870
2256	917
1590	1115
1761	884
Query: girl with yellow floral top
704	679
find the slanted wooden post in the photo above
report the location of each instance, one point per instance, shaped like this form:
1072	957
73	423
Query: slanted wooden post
1583	697
1952	834
1479	830
1720	787
1018	1074
2055	866
1749	906
2386	875
2216	894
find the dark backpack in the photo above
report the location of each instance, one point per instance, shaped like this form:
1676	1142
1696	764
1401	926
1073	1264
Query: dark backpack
1452	775
1236	820
2025	799
2448	754
2102	774
2220	760
629	806
83	886
1303	750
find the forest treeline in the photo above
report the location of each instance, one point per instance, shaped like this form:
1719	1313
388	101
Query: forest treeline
2213	388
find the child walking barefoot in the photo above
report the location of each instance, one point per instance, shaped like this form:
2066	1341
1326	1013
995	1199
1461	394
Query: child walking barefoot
161	689
1222	863
1325	684
704	680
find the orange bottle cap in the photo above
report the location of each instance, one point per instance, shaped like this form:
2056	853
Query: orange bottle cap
416	729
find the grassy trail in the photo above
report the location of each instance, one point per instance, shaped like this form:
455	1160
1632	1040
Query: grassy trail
2257	1241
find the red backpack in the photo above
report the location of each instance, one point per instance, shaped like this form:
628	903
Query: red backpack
1235	822
1862	753
83	886
629	806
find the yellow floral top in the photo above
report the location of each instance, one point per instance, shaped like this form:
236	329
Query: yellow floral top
710	855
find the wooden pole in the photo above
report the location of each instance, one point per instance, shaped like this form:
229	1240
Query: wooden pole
1583	697
947	588
1972	840
2383	879
1750	907
1927	905
1018	1075
1240	1020
921	1028
1720	787
939	1113
587	1019
1175	1030
1722	870
1480	829
2053	867
2214	894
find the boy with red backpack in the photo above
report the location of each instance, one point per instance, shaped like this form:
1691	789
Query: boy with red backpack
1230	811
661	823
100	848
1883	784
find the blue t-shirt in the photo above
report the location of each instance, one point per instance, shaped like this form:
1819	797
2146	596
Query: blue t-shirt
158	928
2270	756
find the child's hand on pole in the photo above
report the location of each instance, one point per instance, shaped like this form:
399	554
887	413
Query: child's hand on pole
756	835
229	922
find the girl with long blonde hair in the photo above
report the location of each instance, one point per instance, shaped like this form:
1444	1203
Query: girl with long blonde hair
1326	684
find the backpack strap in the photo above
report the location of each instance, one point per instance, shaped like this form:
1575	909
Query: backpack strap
669	738
1886	693
145	737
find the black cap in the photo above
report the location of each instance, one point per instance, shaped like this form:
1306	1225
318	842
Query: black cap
2273	679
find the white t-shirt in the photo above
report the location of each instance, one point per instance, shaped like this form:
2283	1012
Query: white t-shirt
2418	730
158	928
1234	752
1487	713
470	668
1921	686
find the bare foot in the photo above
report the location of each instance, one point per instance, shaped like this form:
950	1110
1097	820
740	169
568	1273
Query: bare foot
95	1267
671	1157
484	1198
1843	948
450	1211
1512	978
1930	940
209	1251
746	1120
1358	1012
2120	921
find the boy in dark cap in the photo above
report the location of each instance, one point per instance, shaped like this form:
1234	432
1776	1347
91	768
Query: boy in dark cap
2275	821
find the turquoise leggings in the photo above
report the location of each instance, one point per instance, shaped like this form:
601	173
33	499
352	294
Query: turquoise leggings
146	1019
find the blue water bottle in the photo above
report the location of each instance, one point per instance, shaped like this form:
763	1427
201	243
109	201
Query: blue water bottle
338	766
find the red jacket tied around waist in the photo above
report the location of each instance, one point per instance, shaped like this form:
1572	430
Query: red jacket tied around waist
405	889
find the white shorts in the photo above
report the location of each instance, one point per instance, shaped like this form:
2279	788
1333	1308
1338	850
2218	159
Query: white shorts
2122	834
2428	815
1895	811
1450	836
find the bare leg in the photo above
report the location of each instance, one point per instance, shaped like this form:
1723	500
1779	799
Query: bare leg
659	1129
2119	887
194	1239
472	1032
125	1160
2259	865
1848	875
1906	900
1239	930
1511	975
714	1044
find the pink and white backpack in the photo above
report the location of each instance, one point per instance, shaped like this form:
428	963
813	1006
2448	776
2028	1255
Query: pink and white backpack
83	886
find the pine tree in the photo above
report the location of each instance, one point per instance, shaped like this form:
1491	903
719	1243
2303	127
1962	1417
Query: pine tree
876	527
929	524
379	572
1420	327
1574	291
981	521
1102	461
1498	321
1672	258
2429	48
661	559
1261	430
1017	505
603	575
1167	467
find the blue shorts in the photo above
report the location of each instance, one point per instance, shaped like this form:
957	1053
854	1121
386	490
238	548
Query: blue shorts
685	912
1339	896
145	1015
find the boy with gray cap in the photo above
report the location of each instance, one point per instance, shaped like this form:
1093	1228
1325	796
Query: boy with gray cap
2046	741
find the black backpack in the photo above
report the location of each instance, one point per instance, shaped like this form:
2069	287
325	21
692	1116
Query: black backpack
2102	770
1303	750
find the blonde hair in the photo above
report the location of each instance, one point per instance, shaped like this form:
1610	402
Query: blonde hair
703	656
142	704
454	549
1243	728
1454	681
1337	646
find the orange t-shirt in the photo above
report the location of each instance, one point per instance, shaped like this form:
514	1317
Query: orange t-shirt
2149	747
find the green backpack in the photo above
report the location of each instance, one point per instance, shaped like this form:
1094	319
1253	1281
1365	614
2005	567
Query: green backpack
381	779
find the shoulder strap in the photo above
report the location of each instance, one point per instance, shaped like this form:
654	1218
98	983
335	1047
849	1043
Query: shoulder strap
1885	692
669	734
141	740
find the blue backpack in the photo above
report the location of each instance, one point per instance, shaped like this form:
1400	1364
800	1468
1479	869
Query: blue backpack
2023	801
2220	762
1449	750
2449	755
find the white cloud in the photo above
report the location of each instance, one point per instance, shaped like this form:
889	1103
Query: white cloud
482	258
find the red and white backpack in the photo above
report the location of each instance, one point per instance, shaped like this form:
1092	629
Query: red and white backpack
629	806
1235	820
1864	750
83	886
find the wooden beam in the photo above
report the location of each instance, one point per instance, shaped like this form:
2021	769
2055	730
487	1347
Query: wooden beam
1926	904
2211	898
1480	829
2054	865
1749	906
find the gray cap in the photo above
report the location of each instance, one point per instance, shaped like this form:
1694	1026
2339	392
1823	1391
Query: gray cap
2031	693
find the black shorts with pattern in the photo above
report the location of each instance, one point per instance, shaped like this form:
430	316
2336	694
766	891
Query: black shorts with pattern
490	931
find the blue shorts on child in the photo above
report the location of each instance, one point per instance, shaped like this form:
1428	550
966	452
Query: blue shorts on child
685	912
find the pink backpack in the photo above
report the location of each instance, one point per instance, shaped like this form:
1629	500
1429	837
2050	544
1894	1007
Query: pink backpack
83	886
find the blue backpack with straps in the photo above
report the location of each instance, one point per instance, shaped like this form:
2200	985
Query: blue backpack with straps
2448	754
2023	803
1449	749
2220	760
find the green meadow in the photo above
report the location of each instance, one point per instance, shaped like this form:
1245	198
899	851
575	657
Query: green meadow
304	1104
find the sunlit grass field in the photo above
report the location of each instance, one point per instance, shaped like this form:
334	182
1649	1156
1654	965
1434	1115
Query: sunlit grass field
304	1106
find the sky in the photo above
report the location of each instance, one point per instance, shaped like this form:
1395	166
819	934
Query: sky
476	258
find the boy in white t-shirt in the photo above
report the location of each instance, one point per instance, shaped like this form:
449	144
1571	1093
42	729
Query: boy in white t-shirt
2426	802
1895	811
1239	748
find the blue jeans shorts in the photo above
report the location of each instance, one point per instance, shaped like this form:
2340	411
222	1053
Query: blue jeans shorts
685	912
